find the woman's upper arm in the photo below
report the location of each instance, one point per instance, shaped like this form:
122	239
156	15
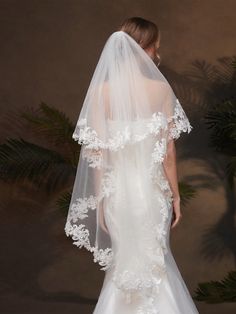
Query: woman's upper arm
170	152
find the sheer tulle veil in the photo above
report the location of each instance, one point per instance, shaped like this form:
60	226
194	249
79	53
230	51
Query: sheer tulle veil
128	102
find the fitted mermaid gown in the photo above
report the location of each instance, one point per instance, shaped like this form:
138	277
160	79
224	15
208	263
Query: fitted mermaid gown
144	278
121	204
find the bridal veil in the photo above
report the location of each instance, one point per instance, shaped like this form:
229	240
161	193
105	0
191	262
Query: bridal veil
128	102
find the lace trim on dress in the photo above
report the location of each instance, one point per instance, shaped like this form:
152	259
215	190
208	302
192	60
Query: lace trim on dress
152	276
146	284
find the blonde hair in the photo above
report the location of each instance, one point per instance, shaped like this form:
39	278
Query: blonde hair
144	32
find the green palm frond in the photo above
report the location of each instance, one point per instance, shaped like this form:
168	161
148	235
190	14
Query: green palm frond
225	72
20	160
187	192
52	123
202	71
213	76
218	291
222	122
63	202
56	127
217	82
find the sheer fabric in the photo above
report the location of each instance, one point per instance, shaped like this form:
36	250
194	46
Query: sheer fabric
121	202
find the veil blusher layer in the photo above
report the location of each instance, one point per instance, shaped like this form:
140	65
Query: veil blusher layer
129	114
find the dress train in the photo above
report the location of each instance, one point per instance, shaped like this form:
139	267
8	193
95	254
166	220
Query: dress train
173	298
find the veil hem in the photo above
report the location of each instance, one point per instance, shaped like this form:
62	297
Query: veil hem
174	125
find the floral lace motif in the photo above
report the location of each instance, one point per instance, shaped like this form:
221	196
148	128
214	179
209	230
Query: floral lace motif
85	135
80	236
103	257
147	282
94	157
128	280
108	184
178	122
80	208
79	233
159	151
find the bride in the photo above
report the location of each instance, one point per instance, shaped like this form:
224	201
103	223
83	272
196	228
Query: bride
125	198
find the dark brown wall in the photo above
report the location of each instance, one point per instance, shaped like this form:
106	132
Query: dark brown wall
49	49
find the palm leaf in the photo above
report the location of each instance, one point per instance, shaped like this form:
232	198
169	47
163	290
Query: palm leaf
22	160
187	192
63	202
222	122
202	71
218	291
51	122
217	82
54	125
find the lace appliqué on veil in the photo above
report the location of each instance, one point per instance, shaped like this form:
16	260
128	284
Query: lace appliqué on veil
89	137
79	233
179	122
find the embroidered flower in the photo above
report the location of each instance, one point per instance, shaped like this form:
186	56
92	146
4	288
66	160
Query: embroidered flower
156	123
79	234
159	151
178	122
80	208
94	157
108	184
103	257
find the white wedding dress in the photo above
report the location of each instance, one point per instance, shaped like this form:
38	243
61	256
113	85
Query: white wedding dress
139	256
121	204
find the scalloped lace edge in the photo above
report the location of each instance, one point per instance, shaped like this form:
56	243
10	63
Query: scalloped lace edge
89	137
